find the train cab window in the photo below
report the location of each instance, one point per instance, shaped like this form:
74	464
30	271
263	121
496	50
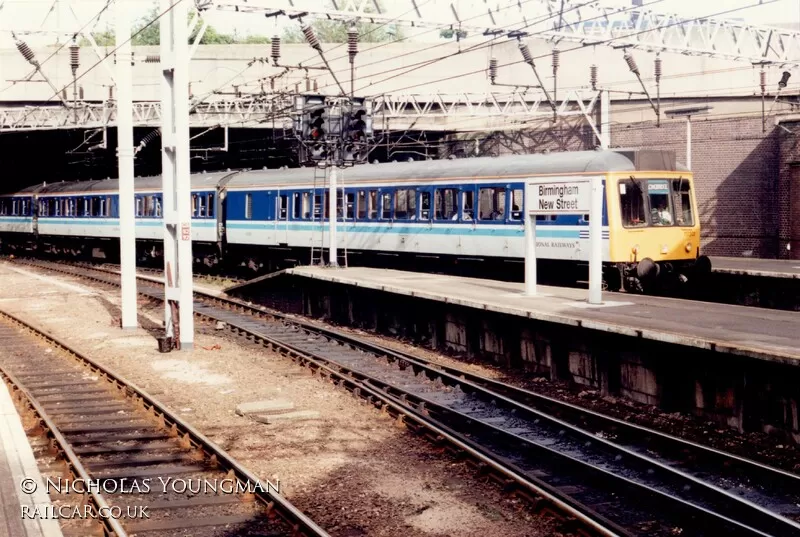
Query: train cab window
351	206
492	204
386	205
425	206
660	206
446	204
631	203
516	204
405	204
283	206
468	205
362	205
682	202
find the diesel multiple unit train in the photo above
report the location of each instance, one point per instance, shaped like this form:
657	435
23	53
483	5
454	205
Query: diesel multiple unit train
409	215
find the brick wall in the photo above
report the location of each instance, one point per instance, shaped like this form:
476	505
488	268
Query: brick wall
735	168
789	191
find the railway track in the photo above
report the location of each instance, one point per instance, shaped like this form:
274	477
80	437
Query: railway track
147	471
643	483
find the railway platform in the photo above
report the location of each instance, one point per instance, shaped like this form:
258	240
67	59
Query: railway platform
17	462
738	365
769	283
765	268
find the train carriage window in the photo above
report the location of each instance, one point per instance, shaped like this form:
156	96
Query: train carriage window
317	206
201	205
362	204
157	207
682	202
492	203
15	208
283	206
351	206
70	207
339	204
660	206
87	206
631	203
248	206
372	204
446	200
468	205
516	204
210	205
405	204
139	206
425	206
3	210
386	205
326	205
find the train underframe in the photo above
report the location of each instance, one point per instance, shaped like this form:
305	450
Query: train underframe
246	261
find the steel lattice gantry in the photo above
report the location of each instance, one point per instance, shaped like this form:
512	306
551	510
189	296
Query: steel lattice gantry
268	112
587	23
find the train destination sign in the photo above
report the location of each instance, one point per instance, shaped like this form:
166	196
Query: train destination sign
572	197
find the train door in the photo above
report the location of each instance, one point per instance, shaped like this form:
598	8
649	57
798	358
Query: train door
282	218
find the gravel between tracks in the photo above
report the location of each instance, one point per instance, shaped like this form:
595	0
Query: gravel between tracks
757	446
352	470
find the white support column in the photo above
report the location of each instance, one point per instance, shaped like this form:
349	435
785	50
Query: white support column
596	242
175	169
127	222
530	250
332	215
605	119
689	142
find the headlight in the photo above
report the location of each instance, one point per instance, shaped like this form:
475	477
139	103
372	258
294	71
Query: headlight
688	247
635	250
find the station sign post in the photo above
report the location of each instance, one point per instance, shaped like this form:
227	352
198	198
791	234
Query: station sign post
565	196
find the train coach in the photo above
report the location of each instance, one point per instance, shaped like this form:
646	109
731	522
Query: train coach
415	215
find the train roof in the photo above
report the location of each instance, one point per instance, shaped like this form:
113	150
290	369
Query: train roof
505	166
617	160
153	183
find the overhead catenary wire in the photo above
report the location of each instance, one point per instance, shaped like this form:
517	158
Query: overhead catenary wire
143	28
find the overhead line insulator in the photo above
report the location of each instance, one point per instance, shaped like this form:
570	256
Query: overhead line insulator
26	52
556	60
593	76
632	63
74	58
492	69
658	70
526	53
311	37
276	49
352	42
